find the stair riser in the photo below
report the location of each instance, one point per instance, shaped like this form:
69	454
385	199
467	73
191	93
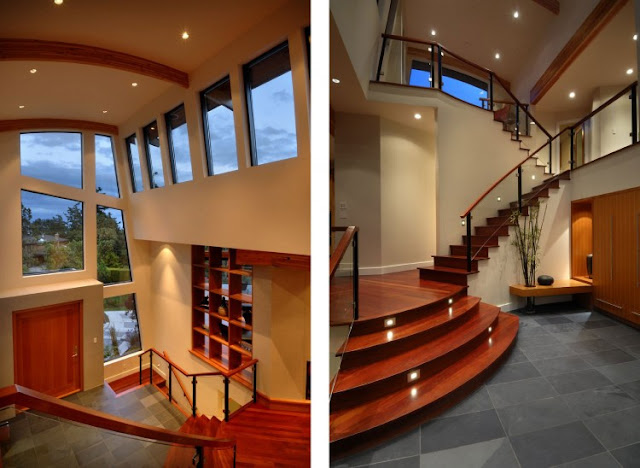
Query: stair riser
530	202
484	241
492	231
357	396
475	251
452	262
549	185
444	277
509	211
402	318
357	358
498	221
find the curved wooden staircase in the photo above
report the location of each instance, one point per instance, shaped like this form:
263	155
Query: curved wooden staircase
441	345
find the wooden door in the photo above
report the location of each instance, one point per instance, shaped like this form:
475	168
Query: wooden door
47	348
635	286
603	255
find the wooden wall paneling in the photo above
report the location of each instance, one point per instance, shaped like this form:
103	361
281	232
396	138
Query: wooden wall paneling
623	258
635	286
581	236
602	254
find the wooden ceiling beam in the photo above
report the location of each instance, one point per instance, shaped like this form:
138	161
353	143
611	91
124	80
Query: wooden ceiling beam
57	124
604	11
552	5
31	49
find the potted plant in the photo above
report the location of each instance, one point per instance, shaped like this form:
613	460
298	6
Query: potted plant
527	241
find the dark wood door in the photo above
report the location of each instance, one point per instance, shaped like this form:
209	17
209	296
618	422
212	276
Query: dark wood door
47	348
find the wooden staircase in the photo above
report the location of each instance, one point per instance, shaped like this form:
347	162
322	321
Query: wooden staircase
395	377
452	268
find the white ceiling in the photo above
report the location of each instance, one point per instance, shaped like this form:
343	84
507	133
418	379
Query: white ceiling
145	28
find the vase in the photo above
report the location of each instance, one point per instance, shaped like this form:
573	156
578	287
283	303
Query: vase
222	310
590	265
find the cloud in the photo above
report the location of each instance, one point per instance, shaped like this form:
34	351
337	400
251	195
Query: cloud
45	206
283	95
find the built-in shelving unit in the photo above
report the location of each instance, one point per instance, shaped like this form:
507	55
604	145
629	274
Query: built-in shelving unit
222	308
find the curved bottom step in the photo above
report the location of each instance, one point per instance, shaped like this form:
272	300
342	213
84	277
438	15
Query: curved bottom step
378	419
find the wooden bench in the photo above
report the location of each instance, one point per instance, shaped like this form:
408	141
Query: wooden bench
558	288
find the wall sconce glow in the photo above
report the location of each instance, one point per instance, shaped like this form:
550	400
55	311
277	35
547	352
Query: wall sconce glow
433	32
335	80
105	111
33	70
463	222
533	123
58	2
490	329
490	341
413	375
572	95
450	300
499	198
629	71
533	177
429	49
414	392
635	37
185	35
390	322
417	116
20	107
389	335
497	55
134	84
516	14
450	312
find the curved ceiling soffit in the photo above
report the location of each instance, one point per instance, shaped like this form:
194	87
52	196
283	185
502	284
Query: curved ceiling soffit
53	51
57	124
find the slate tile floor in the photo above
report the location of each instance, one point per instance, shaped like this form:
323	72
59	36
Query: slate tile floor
568	396
43	441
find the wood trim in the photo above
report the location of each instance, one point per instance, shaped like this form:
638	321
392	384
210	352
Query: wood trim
282	404
588	30
57	124
255	257
17	395
32	49
552	5
344	243
559	287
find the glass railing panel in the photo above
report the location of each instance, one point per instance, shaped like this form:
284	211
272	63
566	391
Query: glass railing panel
463	81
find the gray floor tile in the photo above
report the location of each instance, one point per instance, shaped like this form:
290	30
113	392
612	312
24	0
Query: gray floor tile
575	336
535	415
582	317
605	358
465	429
521	391
561	365
628	456
105	461
555	445
517	356
478	401
513	372
26	458
410	462
613	333
622	373
89	454
591	346
527	342
602	460
565	328
495	453
629	340
632	388
597	401
578	381
598	324
548	352
407	445
617	429
552	320
634	350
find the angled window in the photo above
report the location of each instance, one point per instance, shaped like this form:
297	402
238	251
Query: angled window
154	157
113	255
52	156
420	74
134	163
464	86
106	177
219	128
52	234
179	145
121	331
270	107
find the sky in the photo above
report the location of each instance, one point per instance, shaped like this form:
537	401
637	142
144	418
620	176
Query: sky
135	161
46	206
456	88
52	156
105	169
181	153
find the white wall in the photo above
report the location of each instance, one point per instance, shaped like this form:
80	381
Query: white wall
610	129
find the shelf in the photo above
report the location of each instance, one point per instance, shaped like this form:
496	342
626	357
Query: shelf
237	323
200	265
201	330
245	298
221	292
584	279
204	286
233	272
218	316
201	309
219	339
240	350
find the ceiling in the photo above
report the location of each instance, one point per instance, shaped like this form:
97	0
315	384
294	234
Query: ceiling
148	29
603	63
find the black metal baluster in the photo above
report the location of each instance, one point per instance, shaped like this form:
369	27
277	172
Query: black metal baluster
634	114
469	241
355	277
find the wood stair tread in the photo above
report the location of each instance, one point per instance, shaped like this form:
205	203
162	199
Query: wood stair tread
428	322
395	405
427	352
461	257
448	270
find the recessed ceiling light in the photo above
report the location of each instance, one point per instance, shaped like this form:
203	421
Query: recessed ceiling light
417	116
21	107
572	95
33	70
335	80
532	122
185	35
153	128
134	84
629	71
635	37
58	2
105	111
516	14
429	49
433	32
497	55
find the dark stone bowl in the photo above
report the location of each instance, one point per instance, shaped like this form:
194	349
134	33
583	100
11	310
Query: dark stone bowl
545	280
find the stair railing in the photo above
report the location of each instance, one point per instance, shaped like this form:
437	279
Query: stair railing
348	239
225	374
31	399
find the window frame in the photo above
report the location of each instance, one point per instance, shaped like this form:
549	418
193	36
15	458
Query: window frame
205	123
126	243
172	157
130	158
135	308
115	166
78	132
148	154
246	68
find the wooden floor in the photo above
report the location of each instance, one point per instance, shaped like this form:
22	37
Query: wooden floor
130	382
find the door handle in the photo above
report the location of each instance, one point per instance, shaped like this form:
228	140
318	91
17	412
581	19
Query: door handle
75	351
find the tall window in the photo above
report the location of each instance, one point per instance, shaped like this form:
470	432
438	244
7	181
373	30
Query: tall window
270	106
134	163
52	156
219	128
154	157
52	235
106	178
179	145
113	255
120	327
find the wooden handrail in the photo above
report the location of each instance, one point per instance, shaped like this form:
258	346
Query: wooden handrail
341	249
241	367
475	65
496	101
182	387
178	368
22	396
